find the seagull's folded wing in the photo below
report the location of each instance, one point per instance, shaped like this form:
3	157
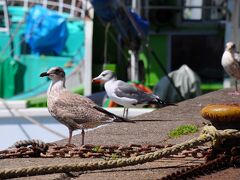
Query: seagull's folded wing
78	109
129	91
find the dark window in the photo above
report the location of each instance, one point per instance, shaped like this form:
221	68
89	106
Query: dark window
202	53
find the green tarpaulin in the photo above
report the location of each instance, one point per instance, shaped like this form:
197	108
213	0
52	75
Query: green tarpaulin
11	77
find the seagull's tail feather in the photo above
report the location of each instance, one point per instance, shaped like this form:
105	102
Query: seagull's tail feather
160	103
116	118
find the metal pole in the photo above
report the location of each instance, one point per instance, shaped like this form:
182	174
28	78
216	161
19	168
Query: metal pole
87	81
136	6
134	65
134	53
106	43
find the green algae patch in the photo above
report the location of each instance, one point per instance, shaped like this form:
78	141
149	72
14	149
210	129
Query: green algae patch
183	130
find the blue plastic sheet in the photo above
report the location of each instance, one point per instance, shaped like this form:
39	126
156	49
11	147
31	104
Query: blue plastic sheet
112	11
130	25
105	9
46	31
141	23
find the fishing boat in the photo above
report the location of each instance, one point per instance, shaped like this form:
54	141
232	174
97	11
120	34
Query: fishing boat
36	35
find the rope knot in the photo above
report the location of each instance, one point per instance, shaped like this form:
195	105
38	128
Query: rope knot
210	130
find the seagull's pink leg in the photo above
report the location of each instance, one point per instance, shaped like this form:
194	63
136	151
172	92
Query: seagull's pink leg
70	137
83	135
236	93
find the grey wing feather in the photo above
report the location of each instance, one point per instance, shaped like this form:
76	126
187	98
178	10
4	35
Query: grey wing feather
129	91
125	89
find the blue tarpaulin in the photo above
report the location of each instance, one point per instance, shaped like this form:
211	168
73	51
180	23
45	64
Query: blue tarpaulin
140	22
105	9
129	24
46	31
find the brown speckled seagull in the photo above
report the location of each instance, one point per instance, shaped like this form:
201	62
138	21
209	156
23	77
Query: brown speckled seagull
73	110
231	63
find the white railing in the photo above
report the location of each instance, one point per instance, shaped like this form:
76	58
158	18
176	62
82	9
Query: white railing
76	8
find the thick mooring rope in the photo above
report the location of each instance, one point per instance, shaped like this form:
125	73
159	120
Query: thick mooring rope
208	134
35	142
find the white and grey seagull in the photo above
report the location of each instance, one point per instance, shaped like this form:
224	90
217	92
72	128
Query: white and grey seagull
126	94
231	63
73	110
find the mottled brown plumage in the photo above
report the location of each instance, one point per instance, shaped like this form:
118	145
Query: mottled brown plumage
73	110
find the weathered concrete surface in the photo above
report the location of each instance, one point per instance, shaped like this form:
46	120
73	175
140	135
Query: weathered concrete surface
150	128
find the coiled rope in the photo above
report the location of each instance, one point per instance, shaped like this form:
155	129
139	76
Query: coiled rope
208	134
38	143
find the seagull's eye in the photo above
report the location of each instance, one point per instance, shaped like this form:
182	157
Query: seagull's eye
57	70
104	74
